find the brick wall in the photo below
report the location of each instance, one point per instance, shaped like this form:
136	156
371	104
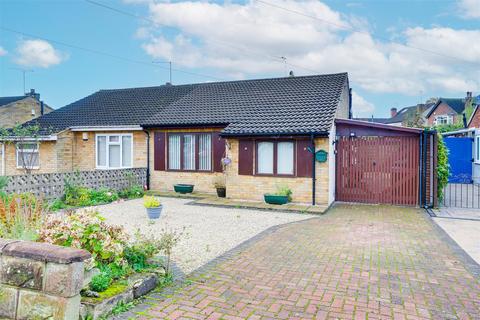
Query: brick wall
70	152
84	151
20	111
475	121
253	187
443	109
48	159
241	186
164	180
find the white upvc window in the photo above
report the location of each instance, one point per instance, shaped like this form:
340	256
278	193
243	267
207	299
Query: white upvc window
28	155
114	151
443	119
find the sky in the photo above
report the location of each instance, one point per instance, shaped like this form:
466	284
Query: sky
397	52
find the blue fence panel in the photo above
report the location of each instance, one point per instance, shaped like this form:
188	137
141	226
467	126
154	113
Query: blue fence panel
459	159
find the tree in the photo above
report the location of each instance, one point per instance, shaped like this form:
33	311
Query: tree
414	120
26	139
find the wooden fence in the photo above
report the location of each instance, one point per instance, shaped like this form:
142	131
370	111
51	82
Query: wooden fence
52	185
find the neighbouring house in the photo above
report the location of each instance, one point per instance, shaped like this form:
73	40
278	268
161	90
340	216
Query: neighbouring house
448	111
19	109
474	120
408	115
255	135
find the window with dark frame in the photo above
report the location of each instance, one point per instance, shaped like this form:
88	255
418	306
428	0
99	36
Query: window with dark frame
189	151
275	158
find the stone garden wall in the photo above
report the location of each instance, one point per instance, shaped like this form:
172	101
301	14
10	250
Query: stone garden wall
40	281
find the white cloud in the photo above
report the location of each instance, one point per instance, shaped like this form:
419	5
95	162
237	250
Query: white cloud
469	9
361	107
38	53
3	52
245	40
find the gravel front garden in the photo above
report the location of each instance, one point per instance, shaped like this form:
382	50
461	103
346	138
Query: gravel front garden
207	231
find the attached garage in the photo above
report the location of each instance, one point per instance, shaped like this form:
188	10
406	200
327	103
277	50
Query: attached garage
377	163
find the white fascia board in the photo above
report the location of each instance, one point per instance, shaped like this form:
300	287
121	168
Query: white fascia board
109	128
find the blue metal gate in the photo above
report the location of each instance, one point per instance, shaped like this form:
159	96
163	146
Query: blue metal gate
459	159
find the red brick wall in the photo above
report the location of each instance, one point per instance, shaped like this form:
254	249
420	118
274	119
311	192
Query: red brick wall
475	123
443	109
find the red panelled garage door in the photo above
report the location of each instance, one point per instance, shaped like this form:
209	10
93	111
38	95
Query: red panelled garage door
378	170
378	163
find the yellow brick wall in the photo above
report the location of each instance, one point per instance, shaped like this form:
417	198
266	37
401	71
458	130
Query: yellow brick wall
84	151
253	187
240	186
164	180
48	161
70	153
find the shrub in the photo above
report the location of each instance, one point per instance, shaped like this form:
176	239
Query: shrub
21	216
132	192
168	240
284	191
443	168
100	282
102	196
151	202
87	230
138	253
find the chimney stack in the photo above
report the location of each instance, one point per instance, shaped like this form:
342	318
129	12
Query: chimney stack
393	112
33	94
469	94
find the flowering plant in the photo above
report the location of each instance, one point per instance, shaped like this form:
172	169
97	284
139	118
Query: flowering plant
87	230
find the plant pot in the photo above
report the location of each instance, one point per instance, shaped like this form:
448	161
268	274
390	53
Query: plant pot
274	199
183	188
221	192
154	213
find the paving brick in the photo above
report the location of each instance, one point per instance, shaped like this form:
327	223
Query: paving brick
355	262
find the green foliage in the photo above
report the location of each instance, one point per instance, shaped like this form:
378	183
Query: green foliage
100	282
151	202
77	195
284	191
138	253
102	196
469	109
3	182
132	192
122	307
448	127
443	169
167	241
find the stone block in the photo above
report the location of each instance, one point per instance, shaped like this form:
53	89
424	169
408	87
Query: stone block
37	305
65	280
8	302
45	252
22	273
144	285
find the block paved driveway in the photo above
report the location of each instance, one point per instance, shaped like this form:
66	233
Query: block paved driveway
355	262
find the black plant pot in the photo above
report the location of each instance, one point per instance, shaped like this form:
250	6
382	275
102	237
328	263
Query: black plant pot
221	192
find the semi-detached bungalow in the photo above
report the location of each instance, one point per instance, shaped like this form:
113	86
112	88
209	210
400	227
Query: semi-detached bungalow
255	134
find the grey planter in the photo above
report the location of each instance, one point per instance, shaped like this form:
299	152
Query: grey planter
154	213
